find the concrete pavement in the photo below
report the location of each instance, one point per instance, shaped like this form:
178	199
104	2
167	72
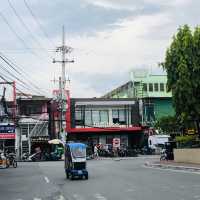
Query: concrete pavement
108	180
174	166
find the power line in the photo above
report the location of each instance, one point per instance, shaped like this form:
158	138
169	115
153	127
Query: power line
38	23
24	25
11	28
18	79
14	66
17	35
2	67
16	88
9	64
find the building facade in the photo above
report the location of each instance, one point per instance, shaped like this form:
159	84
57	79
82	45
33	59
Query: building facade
151	91
99	120
32	124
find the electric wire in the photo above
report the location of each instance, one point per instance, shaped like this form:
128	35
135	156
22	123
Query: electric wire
18	79
25	26
18	36
16	87
19	82
14	66
38	23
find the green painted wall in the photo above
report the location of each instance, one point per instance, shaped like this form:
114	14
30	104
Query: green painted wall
163	107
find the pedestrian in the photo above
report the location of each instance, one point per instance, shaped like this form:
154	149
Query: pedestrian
96	153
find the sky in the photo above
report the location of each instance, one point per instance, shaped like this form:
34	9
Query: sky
109	39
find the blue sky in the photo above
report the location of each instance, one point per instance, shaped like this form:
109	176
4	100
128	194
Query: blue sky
109	37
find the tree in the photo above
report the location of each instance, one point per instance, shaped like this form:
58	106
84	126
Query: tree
168	124
182	64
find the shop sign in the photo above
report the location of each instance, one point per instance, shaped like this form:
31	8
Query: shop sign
191	132
116	142
107	125
7	132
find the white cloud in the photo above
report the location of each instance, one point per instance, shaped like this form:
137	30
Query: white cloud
129	45
133	5
116	5
138	40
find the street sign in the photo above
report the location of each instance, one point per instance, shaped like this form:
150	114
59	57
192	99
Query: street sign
191	131
116	142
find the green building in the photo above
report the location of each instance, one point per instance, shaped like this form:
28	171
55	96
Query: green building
155	101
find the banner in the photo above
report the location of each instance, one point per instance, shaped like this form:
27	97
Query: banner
7	131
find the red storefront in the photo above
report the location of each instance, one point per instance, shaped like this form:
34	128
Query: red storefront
99	120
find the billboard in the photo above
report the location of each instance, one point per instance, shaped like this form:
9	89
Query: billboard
7	131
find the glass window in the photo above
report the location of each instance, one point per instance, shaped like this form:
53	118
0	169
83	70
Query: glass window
78	115
150	87
79	118
88	117
119	116
145	87
156	87
162	87
95	116
104	116
122	116
115	116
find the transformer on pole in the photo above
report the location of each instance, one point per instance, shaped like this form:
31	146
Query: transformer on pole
64	50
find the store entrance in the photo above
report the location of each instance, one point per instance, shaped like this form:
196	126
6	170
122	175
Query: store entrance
7	145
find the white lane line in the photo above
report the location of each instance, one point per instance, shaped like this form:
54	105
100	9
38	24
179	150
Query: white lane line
46	179
99	197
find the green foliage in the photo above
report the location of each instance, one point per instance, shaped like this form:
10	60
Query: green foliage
182	64
168	124
186	138
187	141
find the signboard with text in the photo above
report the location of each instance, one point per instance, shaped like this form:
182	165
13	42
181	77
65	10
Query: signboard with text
7	131
116	142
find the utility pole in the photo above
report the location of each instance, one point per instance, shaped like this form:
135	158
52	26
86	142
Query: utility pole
64	50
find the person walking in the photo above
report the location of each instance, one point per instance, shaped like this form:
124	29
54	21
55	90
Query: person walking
96	153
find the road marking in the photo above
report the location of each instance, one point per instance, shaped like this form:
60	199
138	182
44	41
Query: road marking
99	196
37	198
46	179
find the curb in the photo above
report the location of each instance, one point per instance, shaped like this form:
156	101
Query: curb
165	166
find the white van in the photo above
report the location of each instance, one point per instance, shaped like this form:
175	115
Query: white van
157	141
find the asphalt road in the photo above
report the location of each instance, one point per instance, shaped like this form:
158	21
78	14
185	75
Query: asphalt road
108	180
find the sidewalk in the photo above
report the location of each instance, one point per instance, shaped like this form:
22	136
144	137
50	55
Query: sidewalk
174	165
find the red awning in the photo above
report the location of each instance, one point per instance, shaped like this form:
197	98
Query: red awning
98	130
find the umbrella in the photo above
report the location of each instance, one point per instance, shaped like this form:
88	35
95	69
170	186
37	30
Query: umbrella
55	141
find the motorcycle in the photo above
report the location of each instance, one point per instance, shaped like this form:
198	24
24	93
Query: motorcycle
25	156
12	159
163	155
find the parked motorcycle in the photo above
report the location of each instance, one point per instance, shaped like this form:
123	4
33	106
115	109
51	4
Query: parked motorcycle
12	159
25	156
